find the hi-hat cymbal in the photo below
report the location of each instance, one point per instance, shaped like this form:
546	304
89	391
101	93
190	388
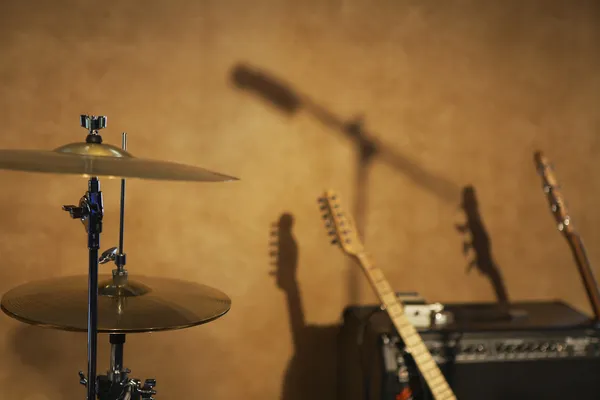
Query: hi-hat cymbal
99	159
145	304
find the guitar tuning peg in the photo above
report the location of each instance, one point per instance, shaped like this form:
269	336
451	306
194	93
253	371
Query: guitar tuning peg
323	207
334	241
331	233
326	216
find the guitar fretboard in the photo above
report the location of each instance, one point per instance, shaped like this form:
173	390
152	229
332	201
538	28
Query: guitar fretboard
411	338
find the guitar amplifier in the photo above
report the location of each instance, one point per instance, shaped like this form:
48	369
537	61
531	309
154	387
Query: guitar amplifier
537	350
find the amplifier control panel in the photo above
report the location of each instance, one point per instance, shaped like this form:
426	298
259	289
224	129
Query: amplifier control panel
478	348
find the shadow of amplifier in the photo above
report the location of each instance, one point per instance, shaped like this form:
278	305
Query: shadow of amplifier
550	351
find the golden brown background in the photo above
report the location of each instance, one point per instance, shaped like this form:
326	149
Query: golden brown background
458	93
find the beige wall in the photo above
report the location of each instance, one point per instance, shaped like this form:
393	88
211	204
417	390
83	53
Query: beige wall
457	92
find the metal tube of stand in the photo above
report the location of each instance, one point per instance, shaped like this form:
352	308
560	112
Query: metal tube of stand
121	259
94	227
92	324
117	340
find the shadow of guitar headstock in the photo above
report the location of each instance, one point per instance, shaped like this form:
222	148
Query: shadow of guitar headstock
478	239
283	251
479	243
312	371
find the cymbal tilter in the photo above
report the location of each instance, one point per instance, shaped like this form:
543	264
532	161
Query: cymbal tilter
108	255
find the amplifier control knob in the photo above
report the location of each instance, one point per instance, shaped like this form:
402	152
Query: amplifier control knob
523	347
544	347
520	348
480	348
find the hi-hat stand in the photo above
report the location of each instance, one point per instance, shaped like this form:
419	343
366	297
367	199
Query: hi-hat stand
116	385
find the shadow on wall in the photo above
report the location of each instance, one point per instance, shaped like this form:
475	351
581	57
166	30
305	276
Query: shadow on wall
289	101
311	373
481	246
367	146
54	356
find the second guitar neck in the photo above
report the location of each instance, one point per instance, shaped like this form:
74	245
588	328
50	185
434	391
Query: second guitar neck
585	270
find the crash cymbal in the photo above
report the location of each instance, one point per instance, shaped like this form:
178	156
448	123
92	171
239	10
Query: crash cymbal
145	304
94	158
98	159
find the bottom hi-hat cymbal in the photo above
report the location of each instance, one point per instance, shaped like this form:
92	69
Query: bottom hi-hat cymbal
145	304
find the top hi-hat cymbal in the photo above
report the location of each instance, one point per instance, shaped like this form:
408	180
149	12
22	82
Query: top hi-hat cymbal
94	158
145	304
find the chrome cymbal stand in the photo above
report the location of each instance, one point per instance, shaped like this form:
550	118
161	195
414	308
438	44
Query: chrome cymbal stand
91	211
116	385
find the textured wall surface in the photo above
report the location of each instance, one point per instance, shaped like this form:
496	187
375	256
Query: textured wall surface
449	94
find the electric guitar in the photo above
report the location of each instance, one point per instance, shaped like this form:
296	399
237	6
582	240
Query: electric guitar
561	215
341	228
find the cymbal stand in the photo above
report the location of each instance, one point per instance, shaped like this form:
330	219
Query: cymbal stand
91	211
116	385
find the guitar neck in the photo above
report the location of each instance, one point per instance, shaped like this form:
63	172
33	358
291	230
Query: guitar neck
585	270
411	338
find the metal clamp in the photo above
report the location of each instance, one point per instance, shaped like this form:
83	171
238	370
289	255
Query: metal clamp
82	379
93	124
143	392
108	255
125	389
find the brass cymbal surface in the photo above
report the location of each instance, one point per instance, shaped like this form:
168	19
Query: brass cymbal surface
145	304
99	159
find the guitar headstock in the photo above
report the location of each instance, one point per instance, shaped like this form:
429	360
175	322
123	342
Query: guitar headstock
339	224
553	193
